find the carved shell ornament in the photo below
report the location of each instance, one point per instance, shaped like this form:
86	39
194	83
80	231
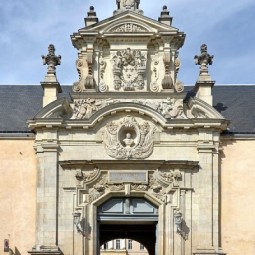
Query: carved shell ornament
127	139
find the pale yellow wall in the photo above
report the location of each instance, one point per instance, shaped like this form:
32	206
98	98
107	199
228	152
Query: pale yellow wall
18	184
238	197
17	194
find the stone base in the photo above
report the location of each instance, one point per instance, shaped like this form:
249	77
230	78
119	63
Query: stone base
45	250
209	251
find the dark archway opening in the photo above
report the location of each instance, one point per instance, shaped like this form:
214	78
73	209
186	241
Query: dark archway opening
128	218
142	233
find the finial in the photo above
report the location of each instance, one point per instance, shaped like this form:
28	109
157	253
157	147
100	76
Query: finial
165	17
92	18
51	60
204	60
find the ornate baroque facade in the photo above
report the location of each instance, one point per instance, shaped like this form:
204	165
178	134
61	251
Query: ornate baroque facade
131	155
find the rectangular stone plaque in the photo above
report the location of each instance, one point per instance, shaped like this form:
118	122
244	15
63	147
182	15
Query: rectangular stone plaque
128	177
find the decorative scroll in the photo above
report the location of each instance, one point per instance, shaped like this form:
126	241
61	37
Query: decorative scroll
170	177
85	71
167	82
86	176
127	139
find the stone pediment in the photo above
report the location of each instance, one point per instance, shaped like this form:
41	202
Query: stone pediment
128	52
128	22
201	110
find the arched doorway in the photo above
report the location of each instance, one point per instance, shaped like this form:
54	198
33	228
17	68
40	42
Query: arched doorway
128	218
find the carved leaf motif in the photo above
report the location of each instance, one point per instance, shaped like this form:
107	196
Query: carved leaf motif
116	187
139	187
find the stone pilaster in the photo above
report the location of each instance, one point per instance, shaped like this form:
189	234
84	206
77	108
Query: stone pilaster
47	200
206	233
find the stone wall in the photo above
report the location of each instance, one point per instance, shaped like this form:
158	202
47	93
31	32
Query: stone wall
18	182
17	194
238	204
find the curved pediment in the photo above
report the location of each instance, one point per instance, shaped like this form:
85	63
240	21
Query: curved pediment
57	109
168	113
200	109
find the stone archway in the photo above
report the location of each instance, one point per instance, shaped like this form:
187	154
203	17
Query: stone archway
128	218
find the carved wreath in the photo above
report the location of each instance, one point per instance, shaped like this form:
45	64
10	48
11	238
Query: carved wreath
128	139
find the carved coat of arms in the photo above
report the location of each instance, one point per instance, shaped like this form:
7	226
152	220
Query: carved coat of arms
128	139
129	68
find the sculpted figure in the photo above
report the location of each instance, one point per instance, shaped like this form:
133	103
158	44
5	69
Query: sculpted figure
128	141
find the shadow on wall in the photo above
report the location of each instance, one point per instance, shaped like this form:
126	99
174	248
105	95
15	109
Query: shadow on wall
15	252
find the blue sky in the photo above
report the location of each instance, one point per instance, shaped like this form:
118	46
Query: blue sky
29	26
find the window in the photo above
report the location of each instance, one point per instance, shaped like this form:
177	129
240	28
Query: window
129	244
141	247
117	244
105	246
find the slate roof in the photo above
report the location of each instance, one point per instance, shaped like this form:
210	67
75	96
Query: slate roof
18	103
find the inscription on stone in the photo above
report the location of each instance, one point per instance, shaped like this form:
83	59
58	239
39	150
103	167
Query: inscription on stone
128	177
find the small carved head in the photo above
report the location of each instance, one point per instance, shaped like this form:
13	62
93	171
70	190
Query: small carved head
203	48
51	50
